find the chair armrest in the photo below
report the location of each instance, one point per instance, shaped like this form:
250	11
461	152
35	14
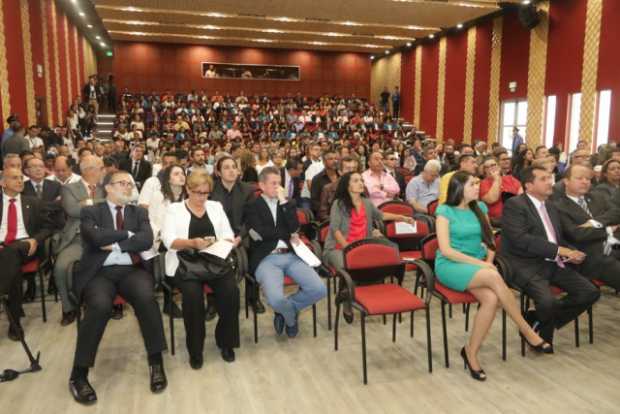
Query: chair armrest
428	278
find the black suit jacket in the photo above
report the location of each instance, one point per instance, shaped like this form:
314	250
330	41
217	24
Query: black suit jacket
297	183
524	239
36	218
242	195
51	190
589	240
97	230
258	218
86	92
145	170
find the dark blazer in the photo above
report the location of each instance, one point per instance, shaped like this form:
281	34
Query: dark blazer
242	196
589	240
297	182
51	190
524	239
400	179
145	170
36	218
97	230
86	92
258	218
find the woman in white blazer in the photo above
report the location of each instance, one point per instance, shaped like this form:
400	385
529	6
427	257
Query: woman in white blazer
195	224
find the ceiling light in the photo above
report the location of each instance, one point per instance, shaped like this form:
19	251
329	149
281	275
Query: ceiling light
319	43
216	15
263	40
81	14
387	52
90	26
283	19
102	44
432	36
408	44
459	26
131	9
272	31
350	23
526	2
98	37
372	57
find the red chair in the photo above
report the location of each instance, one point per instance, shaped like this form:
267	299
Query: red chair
36	266
432	207
446	295
397	207
409	244
367	263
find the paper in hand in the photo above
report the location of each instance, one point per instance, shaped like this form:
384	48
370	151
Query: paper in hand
304	253
402	227
220	248
254	235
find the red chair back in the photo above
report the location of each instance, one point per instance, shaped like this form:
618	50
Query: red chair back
371	260
430	245
408	241
323	232
397	207
432	207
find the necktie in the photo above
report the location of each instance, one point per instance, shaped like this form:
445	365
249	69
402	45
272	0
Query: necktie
584	205
11	231
120	225
550	229
291	188
135	168
39	189
91	190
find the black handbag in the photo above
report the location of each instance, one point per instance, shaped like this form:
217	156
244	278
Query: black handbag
204	267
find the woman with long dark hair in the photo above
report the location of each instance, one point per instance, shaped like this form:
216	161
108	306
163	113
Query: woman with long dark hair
610	179
520	161
464	262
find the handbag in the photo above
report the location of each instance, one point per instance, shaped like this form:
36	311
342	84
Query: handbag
204	267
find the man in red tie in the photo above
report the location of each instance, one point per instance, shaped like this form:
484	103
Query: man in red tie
24	225
114	234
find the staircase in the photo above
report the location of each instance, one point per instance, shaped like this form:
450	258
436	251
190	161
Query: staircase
105	123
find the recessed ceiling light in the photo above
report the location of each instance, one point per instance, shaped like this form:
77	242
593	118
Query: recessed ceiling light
82	14
90	26
526	2
432	36
98	37
459	26
372	57
387	52
408	44
102	44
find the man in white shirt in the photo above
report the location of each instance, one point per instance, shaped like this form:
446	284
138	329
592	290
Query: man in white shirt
33	137
313	165
63	173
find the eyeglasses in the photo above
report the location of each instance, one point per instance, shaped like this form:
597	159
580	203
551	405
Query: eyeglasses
490	165
126	184
201	193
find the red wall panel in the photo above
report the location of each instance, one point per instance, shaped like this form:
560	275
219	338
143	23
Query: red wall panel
15	59
609	62
515	58
36	37
430	75
53	69
482	82
456	63
176	67
407	84
73	63
567	24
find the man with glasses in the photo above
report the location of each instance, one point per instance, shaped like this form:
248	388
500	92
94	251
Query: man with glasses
45	190
114	233
85	192
391	167
496	188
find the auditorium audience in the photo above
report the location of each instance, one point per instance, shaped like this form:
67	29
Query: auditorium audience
465	262
197	223
347	164
327	176
533	243
467	162
139	168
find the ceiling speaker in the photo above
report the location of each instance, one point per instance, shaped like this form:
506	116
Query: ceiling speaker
529	16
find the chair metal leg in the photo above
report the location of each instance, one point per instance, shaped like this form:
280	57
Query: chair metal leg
255	317
336	326
247	312
42	287
591	325
523	310
411	327
503	334
466	306
314	319
329	304
384	320
428	338
577	332
363	328
450	311
171	322
394	328
445	333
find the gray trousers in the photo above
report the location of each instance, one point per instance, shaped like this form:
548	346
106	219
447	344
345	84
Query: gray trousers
65	259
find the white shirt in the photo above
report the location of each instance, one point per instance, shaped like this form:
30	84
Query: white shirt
272	203
22	233
312	170
116	256
74	178
34	142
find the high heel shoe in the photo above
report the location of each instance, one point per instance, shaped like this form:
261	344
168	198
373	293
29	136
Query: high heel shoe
542	348
477	375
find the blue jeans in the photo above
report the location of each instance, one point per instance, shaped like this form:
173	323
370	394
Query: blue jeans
270	274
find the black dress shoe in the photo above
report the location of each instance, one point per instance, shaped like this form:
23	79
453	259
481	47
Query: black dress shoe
82	391
14	332
68	318
211	312
228	354
196	362
258	306
159	382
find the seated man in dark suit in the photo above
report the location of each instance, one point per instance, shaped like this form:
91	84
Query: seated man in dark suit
272	225
24	225
533	244
139	168
589	222
290	177
38	186
114	234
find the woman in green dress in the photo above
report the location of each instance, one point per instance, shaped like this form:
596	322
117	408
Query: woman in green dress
464	262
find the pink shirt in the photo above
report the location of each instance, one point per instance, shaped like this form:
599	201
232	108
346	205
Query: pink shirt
380	188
